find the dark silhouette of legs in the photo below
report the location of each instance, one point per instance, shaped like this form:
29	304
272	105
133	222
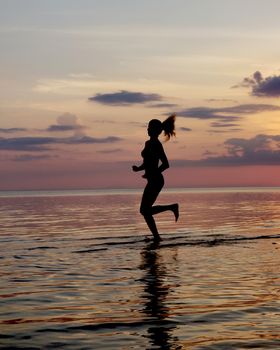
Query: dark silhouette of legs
147	209
156	209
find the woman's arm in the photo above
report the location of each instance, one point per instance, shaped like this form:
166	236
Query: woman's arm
138	168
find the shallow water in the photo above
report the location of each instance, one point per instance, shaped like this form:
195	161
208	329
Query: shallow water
77	272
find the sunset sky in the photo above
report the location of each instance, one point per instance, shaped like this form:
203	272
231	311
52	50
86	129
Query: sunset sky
81	79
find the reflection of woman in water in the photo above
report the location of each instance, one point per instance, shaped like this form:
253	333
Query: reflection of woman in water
152	154
157	291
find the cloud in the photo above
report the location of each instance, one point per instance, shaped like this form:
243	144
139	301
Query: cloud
219	131
249	147
205	113
225	114
223	125
199	113
256	78
260	86
11	130
67	119
124	98
42	143
105	121
163	105
88	140
25	143
66	122
109	151
249	108
30	157
185	129
259	150
55	127
220	100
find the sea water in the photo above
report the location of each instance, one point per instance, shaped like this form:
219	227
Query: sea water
78	272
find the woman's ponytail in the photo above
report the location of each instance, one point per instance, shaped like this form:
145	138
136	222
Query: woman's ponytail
168	126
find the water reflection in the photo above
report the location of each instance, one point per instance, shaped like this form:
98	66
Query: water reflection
59	254
156	291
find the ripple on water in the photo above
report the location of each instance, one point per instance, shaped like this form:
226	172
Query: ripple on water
79	272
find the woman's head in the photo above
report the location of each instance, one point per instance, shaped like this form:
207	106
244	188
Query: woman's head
155	127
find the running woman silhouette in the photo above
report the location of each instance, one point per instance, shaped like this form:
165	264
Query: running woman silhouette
154	163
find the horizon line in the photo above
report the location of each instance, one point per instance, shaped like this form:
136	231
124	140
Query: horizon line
107	190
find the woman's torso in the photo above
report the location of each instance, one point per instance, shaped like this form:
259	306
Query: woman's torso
151	155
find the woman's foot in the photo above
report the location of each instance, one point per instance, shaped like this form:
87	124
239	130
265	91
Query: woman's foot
157	238
175	209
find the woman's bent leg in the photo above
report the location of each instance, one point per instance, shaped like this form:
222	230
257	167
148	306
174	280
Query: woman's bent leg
156	209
